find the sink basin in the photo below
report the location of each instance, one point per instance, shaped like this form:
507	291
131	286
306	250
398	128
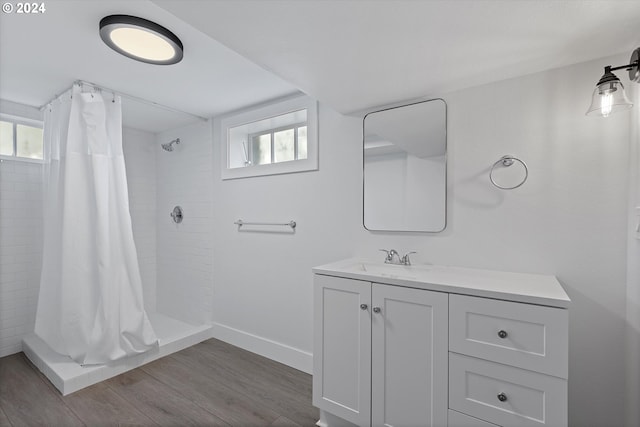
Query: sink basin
393	271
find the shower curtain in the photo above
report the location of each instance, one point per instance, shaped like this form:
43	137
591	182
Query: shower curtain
90	305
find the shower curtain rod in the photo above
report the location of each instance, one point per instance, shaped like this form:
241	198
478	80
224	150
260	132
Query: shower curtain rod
124	95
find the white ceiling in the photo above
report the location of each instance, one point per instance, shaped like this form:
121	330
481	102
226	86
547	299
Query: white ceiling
352	55
42	55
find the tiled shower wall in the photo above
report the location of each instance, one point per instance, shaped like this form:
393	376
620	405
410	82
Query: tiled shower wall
185	250
140	160
20	250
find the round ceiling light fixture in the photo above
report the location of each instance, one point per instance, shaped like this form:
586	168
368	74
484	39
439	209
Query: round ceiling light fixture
141	39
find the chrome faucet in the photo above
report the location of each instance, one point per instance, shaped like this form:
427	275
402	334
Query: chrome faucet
405	259
393	257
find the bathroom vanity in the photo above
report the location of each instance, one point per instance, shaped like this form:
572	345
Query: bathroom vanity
426	345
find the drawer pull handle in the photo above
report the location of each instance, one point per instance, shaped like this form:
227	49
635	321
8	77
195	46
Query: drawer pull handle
364	306
502	334
502	397
376	309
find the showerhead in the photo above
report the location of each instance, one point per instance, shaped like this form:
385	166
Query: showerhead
169	145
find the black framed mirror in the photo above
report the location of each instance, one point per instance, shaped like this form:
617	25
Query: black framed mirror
405	168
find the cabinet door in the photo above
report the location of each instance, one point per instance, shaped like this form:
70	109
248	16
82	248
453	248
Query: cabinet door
409	357
342	348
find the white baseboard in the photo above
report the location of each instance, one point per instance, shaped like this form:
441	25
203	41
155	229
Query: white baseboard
279	352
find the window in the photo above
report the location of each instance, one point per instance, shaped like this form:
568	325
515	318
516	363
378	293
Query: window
278	145
278	138
21	138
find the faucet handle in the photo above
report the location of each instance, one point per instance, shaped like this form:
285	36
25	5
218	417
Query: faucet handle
405	259
389	256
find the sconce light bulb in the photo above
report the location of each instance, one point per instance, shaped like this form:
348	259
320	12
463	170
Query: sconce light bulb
606	104
608	98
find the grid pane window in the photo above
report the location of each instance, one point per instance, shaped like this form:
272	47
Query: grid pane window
261	145
284	145
270	139
302	142
20	140
6	138
28	142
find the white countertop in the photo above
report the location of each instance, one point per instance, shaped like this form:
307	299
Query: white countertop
521	287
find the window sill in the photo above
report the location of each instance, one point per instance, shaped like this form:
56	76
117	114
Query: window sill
293	166
20	160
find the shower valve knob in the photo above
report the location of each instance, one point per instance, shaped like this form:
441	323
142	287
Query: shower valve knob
177	214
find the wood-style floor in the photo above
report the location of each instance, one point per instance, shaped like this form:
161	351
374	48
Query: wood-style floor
209	384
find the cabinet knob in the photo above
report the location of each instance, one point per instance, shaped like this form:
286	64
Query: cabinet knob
502	334
364	306
502	397
376	309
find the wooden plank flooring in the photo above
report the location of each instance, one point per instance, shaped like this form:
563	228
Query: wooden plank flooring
209	384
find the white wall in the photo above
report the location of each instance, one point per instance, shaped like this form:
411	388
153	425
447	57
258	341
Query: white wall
140	160
569	219
20	241
20	250
184	251
262	280
632	392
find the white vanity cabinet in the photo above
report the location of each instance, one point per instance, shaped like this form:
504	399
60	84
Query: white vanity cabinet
342	348
380	353
412	346
508	361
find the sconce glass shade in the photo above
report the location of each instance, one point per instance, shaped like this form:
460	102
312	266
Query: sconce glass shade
140	39
608	97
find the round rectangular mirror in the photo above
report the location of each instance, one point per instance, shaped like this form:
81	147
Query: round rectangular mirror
405	168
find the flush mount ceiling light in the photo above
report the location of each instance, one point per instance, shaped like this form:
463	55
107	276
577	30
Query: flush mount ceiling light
140	39
608	96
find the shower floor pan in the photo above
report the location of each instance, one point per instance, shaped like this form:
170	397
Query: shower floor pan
68	376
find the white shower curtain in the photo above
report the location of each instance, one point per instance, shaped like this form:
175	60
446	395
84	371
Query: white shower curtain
90	305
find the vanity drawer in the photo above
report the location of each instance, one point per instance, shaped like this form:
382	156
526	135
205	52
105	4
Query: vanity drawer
505	395
528	336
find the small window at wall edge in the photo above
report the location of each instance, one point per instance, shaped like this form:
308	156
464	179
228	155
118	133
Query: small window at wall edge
295	118
21	139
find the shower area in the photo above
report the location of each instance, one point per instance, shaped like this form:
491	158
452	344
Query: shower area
123	282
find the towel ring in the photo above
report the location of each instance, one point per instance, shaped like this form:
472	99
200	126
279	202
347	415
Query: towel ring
507	161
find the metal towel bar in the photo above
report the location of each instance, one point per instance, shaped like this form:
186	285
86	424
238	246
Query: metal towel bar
291	223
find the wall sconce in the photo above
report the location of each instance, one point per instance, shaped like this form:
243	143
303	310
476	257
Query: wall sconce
608	96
